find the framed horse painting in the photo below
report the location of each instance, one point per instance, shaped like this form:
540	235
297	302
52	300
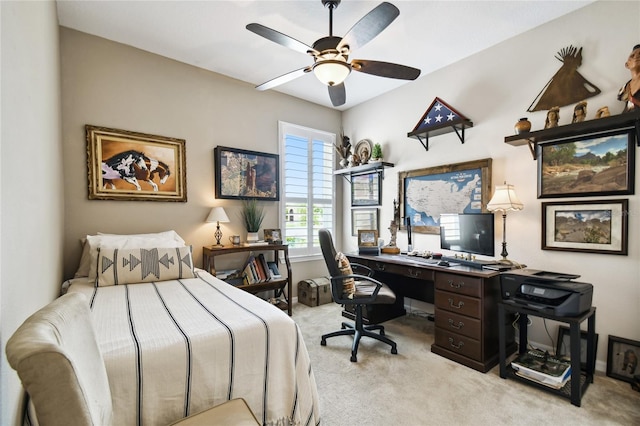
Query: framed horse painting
125	165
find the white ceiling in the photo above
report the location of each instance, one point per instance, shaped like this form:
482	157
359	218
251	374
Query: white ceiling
211	34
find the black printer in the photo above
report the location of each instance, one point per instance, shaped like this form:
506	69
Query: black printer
550	292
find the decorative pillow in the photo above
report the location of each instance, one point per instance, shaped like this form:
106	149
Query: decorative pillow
112	241
348	284
140	265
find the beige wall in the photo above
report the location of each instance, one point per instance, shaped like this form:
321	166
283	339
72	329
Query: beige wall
113	85
494	88
31	176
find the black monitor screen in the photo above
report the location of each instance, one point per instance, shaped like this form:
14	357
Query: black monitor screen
468	233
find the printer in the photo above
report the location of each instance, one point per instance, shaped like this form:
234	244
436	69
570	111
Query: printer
549	292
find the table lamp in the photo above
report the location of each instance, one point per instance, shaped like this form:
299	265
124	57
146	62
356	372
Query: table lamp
217	214
504	199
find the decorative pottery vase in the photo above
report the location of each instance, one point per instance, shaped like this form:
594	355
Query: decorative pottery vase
252	237
522	126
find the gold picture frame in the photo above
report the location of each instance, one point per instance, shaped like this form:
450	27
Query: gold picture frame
367	238
133	166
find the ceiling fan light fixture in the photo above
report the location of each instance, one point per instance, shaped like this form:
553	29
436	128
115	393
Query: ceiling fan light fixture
331	71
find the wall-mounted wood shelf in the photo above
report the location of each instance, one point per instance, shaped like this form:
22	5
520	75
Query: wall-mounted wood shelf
347	172
585	128
423	136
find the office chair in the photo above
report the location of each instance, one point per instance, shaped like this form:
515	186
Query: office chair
56	355
368	291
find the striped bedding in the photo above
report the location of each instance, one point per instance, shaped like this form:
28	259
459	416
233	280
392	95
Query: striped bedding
173	348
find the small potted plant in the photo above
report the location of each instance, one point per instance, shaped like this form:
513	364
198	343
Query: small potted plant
376	152
252	215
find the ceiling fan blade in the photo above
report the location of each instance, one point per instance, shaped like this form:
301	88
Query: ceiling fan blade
367	28
279	38
385	69
338	94
285	78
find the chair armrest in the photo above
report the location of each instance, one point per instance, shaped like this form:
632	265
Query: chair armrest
357	266
355	300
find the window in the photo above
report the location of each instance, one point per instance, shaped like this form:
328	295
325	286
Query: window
307	169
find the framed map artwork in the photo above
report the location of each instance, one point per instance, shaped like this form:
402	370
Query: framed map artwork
425	194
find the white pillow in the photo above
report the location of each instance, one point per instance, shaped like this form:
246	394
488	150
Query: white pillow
88	260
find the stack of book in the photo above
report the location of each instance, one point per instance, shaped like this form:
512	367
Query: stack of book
256	270
540	367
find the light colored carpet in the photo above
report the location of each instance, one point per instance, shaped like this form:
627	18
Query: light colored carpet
418	387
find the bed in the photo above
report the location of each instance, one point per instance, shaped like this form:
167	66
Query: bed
176	346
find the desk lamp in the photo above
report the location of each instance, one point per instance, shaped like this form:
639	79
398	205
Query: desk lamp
504	199
217	215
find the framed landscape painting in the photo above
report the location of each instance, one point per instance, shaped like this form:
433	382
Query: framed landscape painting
132	166
587	166
241	174
425	194
587	226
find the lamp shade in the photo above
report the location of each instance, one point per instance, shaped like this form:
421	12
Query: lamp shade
217	214
331	71
504	199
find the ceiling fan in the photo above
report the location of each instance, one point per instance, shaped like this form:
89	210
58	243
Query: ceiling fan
331	54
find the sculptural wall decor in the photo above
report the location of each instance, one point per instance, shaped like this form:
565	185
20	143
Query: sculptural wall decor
567	86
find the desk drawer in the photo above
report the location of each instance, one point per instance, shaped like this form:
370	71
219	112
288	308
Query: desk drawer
407	271
455	323
459	304
459	344
459	284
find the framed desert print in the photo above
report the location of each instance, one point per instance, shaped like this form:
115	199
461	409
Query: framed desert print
364	219
366	189
367	238
563	348
126	165
586	226
622	358
593	165
241	174
425	194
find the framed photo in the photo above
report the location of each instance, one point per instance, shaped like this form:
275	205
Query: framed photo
587	226
366	189
622	358
132	166
594	165
364	219
367	238
563	348
454	188
273	236
242	174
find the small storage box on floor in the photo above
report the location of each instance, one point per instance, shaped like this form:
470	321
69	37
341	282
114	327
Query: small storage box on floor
314	292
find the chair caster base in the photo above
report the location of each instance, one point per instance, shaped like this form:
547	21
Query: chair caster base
394	351
323	342
354	358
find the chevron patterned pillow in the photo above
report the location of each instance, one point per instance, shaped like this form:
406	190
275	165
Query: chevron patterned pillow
141	265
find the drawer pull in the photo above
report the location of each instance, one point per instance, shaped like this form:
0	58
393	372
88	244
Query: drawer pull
458	306
456	326
380	266
414	273
458	346
456	285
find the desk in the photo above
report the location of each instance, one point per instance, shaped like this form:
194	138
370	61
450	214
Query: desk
465	300
577	385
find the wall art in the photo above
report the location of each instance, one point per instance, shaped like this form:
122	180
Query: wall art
242	174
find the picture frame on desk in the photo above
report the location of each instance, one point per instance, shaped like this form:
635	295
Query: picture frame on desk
367	238
586	226
623	359
432	189
563	346
593	165
273	236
